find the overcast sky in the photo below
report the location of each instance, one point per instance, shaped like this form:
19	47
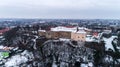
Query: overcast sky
63	9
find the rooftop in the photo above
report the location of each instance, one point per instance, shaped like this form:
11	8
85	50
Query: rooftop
69	29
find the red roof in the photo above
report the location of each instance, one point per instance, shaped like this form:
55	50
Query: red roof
95	34
4	30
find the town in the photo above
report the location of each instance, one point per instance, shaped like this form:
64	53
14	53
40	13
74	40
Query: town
60	42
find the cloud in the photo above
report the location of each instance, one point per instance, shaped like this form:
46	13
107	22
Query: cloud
60	8
81	4
48	3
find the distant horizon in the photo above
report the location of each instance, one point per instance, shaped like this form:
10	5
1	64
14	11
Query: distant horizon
67	18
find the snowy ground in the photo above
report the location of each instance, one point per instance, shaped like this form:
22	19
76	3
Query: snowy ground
18	59
90	38
64	39
108	42
87	65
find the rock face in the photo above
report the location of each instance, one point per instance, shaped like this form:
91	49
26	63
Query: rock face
53	53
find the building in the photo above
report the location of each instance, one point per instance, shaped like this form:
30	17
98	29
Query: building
78	36
42	32
61	34
74	33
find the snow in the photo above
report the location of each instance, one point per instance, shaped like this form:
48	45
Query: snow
1	36
54	65
107	31
108	58
90	38
1	47
36	37
62	64
16	48
74	29
34	40
63	39
84	65
118	60
61	28
90	64
42	31
34	31
80	31
16	60
108	42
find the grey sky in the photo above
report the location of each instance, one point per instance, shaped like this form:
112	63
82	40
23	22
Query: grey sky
76	9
